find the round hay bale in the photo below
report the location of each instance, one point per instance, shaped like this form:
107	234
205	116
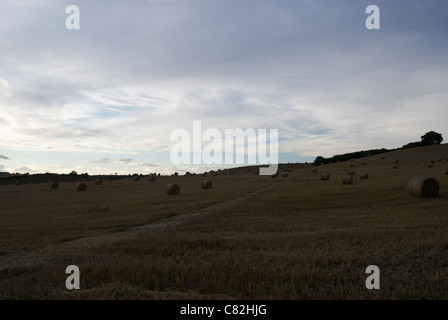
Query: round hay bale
364	175
98	182
176	174
54	185
152	178
431	161
396	161
206	184
284	174
395	166
351	172
352	165
325	176
136	178
49	182
430	165
347	180
446	172
382	158
17	183
81	186
423	187
351	160
364	163
172	189
313	170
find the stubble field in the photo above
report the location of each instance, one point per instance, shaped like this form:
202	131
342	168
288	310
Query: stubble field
248	237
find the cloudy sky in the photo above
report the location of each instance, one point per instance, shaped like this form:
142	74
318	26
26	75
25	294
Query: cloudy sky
105	98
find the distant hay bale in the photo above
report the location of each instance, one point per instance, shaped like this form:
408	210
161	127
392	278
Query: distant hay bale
206	184
395	166
152	178
440	160
176	174
289	170
54	185
431	161
313	170
430	165
256	171
446	172
98	182
364	163
17	183
49	182
364	175
325	176
81	186
347	180
136	178
352	165
396	161
351	172
352	159
423	187
172	189
284	174
188	173
382	158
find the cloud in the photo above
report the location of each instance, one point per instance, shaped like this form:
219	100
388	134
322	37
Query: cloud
121	84
4	157
24	169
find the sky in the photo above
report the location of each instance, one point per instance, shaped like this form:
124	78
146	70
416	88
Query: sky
105	98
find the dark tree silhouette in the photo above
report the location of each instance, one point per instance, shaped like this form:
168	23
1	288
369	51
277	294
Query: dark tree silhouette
431	137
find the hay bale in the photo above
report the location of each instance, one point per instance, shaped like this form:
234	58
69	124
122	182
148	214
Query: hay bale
284	174
81	186
313	170
347	180
176	174
351	160
364	163
431	161
430	165
325	176
172	189
395	166
351	172
136	178
396	161
206	184
152	178
423	187
352	165
98	182
364	175
54	185
382	158
17	183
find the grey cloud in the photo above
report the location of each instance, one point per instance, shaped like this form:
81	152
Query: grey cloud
4	157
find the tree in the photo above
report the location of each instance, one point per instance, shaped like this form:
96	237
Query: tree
430	138
73	173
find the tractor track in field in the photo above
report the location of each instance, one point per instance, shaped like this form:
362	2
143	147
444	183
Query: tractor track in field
52	252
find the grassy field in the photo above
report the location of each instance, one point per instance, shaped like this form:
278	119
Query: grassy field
249	237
